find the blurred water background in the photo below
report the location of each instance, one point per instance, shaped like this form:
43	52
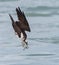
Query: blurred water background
43	18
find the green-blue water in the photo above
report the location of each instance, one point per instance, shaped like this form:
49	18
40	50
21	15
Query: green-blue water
43	40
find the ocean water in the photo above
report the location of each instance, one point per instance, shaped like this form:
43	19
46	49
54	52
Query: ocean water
43	40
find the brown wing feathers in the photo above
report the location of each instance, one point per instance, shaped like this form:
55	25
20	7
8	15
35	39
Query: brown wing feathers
21	24
21	16
16	28
22	19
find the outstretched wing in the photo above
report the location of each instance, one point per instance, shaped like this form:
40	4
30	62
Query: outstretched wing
15	27
22	19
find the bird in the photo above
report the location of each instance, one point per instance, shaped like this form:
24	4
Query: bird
20	26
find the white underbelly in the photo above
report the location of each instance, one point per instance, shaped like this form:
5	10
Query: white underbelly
22	36
22	41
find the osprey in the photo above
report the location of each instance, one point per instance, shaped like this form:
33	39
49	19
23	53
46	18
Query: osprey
21	26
